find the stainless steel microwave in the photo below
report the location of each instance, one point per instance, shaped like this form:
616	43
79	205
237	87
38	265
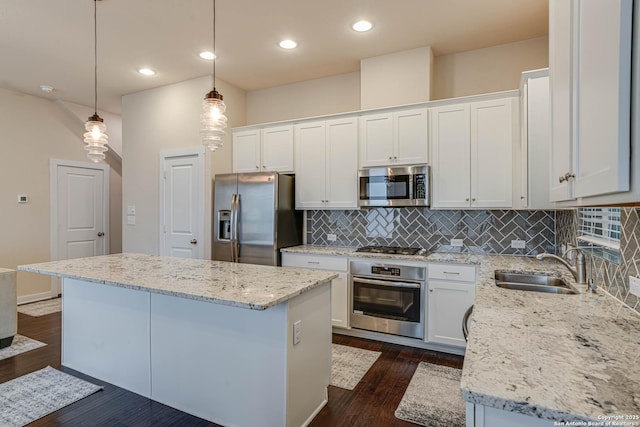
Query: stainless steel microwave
394	186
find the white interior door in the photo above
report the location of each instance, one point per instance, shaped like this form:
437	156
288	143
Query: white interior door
182	211
81	213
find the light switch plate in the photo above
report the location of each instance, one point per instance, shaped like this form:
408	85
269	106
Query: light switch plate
332	237
634	285
518	244
131	210
457	242
131	220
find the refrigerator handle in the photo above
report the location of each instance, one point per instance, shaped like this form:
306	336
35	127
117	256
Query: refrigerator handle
234	229
237	228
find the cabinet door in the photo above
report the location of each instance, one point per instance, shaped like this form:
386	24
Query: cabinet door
492	140
310	165
342	163
277	149
603	88
451	169
448	301
246	151
411	137
560	59
376	140
339	301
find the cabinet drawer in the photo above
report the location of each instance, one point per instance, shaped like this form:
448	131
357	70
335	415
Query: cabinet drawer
457	272
317	262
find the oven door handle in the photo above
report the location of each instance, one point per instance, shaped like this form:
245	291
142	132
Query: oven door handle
386	283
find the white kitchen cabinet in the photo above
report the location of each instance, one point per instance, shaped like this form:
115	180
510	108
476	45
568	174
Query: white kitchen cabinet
472	154
246	151
269	149
326	154
394	138
486	416
532	157
339	285
590	70
451	293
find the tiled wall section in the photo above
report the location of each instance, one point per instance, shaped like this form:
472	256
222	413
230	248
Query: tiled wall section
614	278
482	231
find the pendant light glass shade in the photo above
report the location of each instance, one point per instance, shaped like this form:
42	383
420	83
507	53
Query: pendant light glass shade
95	138
212	119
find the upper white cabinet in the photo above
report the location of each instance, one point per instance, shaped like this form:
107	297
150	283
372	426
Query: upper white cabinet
267	149
532	157
326	154
590	76
472	154
394	138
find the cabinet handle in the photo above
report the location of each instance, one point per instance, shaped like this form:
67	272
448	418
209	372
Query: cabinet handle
395	158
566	177
390	158
451	272
466	200
430	290
473	200
257	167
264	167
521	197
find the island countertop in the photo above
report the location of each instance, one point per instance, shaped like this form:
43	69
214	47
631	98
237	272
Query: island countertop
249	286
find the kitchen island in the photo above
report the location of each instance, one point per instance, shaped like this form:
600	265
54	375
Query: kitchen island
210	338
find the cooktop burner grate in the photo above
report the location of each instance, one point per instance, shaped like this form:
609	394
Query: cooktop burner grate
391	250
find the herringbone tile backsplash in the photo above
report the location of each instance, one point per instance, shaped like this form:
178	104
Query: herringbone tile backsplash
612	276
481	231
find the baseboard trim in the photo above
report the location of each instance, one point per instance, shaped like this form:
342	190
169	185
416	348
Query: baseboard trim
25	299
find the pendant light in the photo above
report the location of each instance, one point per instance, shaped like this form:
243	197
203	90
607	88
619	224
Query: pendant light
95	138
212	119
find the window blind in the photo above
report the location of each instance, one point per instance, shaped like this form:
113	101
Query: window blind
600	226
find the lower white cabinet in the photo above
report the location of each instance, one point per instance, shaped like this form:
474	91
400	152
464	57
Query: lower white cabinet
339	285
486	416
451	293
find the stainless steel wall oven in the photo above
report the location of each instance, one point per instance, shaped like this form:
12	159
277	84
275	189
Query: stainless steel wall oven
387	298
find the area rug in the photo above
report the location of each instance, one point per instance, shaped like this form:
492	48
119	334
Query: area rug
19	345
32	396
41	308
349	364
433	397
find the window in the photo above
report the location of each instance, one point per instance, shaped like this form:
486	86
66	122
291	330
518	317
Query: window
600	226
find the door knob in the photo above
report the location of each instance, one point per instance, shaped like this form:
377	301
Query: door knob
257	167
193	241
100	234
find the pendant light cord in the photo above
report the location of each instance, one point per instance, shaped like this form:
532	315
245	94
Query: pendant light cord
214	44
95	56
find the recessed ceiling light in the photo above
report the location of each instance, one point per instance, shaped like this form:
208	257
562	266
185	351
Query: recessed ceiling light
209	56
362	26
288	44
147	72
46	88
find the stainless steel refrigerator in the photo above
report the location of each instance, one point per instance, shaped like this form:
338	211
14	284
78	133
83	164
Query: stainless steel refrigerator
254	217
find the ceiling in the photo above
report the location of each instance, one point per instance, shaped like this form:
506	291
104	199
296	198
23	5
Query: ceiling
51	42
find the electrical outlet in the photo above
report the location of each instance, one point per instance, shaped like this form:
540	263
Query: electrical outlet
131	220
297	332
518	244
332	237
634	285
457	242
23	198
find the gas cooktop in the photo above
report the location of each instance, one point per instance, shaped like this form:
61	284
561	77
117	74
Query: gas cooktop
392	250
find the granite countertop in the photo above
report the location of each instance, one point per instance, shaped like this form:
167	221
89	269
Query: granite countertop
241	285
553	356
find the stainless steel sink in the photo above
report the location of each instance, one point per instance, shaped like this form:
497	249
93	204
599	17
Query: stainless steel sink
533	282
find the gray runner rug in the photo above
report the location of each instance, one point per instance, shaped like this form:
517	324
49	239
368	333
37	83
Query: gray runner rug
433	397
349	364
32	396
19	345
41	308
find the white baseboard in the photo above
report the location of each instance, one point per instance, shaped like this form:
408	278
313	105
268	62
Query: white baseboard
25	299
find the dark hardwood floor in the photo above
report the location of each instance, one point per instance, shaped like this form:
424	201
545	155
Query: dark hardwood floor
371	403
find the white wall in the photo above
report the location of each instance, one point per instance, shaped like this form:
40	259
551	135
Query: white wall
32	130
158	119
396	79
335	94
492	69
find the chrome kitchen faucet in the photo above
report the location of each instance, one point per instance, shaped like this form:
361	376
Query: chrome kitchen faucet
579	271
